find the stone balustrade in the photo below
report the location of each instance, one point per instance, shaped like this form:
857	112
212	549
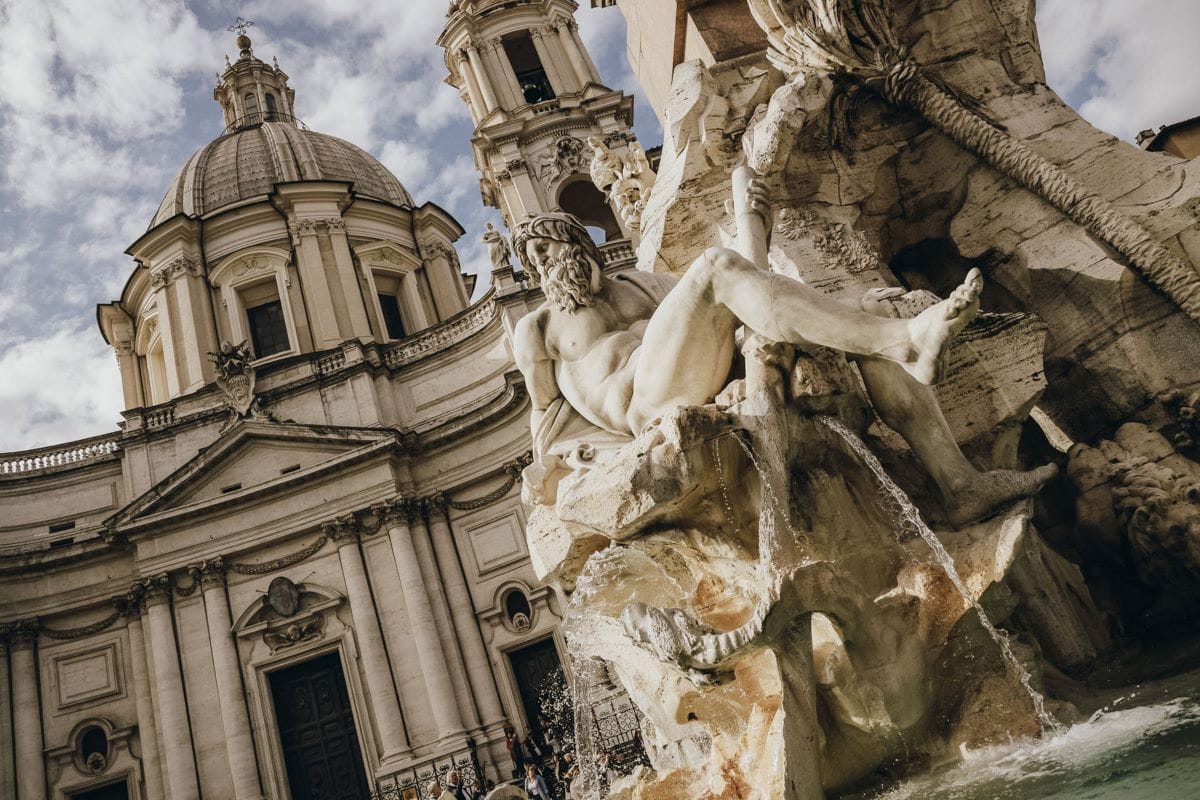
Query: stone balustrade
59	455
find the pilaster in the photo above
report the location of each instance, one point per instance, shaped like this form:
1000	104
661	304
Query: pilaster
231	696
462	612
396	518
152	774
8	784
441	616
27	712
385	704
178	756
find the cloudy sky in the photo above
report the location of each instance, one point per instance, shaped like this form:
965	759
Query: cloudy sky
101	102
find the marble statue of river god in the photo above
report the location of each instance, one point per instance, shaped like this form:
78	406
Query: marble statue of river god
623	351
763	591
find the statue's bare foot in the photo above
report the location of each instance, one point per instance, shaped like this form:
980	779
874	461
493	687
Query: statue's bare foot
934	328
988	492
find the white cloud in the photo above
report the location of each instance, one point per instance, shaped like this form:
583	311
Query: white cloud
1125	65
58	387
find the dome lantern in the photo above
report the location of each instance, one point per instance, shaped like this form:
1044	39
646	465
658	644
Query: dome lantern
250	91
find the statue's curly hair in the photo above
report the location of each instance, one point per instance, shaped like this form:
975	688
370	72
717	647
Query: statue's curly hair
558	227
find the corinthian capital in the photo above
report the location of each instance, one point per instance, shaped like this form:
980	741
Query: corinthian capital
23	633
342	530
208	573
155	589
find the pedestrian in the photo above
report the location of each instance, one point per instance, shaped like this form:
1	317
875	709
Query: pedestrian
436	792
535	785
454	785
569	773
515	750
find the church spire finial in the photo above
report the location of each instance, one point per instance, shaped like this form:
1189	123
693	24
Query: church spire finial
240	26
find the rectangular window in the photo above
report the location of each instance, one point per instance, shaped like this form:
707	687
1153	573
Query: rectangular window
393	323
268	330
531	75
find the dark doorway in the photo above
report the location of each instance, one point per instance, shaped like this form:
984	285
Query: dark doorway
113	791
316	729
537	669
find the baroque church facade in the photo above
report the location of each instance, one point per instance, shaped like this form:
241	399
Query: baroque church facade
299	568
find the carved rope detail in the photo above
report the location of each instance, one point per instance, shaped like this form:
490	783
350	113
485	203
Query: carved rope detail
283	562
512	469
84	630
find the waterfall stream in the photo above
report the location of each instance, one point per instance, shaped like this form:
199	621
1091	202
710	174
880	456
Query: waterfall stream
909	518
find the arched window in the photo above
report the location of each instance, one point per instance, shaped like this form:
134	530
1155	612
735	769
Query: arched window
585	201
272	109
251	103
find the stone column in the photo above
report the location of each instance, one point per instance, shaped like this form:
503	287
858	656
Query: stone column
28	744
8	786
582	51
441	617
462	612
563	26
503	72
322	320
435	667
474	98
486	93
178	757
152	775
347	276
385	705
231	695
560	84
166	331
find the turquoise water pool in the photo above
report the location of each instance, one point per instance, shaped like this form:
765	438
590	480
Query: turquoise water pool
1139	747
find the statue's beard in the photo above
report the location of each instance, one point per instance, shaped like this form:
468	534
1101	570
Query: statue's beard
567	282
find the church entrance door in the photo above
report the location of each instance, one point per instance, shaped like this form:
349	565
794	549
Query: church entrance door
537	670
316	730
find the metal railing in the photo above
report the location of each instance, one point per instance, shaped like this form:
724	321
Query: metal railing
412	783
259	117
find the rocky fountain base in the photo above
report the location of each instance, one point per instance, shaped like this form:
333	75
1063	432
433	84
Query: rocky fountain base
776	608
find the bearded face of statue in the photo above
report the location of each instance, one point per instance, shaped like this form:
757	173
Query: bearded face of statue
565	273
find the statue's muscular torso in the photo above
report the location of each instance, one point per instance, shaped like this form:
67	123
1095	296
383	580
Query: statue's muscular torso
589	356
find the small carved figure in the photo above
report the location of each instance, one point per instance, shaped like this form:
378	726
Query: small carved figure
626	179
497	246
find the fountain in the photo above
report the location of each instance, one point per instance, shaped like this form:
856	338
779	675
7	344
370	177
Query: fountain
768	526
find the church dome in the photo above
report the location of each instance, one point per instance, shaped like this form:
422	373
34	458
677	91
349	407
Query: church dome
247	163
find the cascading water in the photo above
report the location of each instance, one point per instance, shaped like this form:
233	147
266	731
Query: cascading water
909	518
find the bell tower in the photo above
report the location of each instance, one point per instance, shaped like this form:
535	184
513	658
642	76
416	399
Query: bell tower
536	99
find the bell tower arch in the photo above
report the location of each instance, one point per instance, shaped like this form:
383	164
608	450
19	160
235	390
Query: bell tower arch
536	99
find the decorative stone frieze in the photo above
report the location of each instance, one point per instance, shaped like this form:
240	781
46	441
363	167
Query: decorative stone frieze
163	274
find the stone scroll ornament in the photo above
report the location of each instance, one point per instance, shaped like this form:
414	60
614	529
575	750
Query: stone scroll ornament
856	41
235	379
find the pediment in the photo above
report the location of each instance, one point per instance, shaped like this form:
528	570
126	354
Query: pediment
253	458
